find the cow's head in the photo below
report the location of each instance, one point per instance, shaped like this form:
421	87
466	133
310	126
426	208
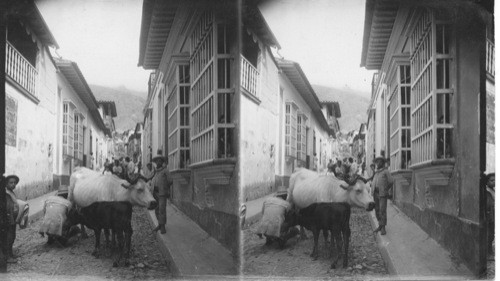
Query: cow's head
358	194
139	193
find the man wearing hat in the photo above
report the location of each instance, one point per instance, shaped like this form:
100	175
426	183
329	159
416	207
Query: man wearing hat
12	214
382	185
161	191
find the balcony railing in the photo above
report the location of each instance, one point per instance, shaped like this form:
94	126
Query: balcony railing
249	76
20	70
490	58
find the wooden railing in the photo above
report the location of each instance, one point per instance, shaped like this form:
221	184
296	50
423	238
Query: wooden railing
490	57
249	76
20	70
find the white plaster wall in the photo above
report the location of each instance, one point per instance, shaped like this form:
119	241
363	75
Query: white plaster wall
32	157
259	134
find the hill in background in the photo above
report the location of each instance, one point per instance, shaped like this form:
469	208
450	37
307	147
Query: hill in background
353	105
129	104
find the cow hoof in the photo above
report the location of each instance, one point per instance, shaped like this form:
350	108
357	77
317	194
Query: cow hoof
127	263
95	253
345	264
333	266
115	264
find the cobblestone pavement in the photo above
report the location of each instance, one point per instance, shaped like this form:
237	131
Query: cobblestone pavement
38	258
294	261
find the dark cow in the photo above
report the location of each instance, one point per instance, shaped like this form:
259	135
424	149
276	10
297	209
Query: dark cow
333	217
115	216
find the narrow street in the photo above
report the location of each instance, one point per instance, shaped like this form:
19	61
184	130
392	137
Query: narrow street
294	261
36	257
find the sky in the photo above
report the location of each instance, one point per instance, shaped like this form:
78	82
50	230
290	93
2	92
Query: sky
102	37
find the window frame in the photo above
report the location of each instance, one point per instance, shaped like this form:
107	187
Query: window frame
424	58
291	110
212	91
178	155
68	128
396	108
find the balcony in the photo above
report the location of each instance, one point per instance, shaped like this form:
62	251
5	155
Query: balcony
490	58
249	77
20	70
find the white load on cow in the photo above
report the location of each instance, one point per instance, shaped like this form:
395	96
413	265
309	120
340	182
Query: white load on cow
87	187
308	187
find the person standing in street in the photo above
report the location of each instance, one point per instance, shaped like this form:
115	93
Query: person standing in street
117	168
490	210
382	186
12	213
353	167
161	191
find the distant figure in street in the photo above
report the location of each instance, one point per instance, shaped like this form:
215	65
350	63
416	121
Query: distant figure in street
130	168
382	186
117	169
353	167
338	169
161	191
490	210
331	167
363	168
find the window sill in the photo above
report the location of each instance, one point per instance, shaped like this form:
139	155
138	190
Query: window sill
183	176
213	162
435	172
217	172
403	176
253	98
20	88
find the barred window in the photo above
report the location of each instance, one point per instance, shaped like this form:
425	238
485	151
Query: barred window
400	121
301	137
432	67
291	129
68	128
78	136
179	119
212	90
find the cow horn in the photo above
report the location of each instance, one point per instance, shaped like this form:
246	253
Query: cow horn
345	187
126	185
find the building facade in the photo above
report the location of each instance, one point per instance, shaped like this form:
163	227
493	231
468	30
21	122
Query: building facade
82	136
194	105
30	95
428	114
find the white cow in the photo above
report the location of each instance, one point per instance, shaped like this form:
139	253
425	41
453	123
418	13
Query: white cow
88	186
308	187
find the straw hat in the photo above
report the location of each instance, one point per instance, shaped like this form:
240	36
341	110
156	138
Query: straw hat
12	177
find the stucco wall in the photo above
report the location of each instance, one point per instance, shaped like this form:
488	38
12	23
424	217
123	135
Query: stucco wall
33	154
212	206
259	133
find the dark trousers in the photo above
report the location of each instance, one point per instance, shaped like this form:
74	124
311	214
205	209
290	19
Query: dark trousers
491	235
161	209
11	237
380	208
